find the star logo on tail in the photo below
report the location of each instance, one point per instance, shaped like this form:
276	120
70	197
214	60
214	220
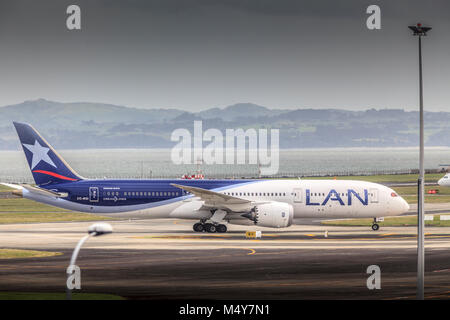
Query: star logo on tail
40	153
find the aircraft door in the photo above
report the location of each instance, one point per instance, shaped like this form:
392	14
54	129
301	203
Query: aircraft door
373	195
93	194
298	195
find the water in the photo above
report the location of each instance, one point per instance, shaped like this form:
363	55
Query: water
156	163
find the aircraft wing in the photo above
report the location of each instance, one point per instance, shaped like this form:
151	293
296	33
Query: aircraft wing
219	200
36	190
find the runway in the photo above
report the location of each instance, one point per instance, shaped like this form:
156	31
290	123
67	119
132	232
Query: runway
154	259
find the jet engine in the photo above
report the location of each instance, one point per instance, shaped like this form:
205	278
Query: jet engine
272	214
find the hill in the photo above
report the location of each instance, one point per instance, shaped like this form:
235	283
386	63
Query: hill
96	125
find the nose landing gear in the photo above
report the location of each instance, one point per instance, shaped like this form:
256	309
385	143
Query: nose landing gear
375	225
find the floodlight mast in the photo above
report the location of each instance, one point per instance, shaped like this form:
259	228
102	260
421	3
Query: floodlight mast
420	31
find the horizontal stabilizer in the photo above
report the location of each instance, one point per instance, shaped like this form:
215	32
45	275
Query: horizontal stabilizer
36	190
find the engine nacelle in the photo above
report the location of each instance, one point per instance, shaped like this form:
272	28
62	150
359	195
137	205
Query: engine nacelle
273	215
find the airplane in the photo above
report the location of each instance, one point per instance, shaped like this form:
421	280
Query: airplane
212	203
445	180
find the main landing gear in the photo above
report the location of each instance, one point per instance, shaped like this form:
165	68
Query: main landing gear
209	227
214	225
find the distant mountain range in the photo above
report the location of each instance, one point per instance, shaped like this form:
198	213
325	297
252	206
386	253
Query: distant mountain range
95	125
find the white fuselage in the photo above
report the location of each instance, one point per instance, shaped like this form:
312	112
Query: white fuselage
445	181
308	198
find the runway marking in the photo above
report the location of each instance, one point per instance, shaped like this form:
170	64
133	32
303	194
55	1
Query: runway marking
252	252
192	237
311	237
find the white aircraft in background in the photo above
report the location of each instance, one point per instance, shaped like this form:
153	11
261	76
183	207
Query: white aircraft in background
445	180
213	203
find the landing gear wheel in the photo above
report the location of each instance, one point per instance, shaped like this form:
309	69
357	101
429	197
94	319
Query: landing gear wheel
199	227
221	228
209	227
375	227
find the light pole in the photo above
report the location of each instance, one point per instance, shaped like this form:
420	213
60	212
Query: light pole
95	230
420	31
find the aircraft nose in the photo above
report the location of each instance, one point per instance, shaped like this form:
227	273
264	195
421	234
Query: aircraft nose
440	182
402	206
406	206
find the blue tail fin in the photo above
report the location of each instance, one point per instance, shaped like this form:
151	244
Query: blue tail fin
46	165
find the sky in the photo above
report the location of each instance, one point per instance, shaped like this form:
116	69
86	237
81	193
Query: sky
198	54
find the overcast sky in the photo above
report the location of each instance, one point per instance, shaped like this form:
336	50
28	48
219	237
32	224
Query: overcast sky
196	54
